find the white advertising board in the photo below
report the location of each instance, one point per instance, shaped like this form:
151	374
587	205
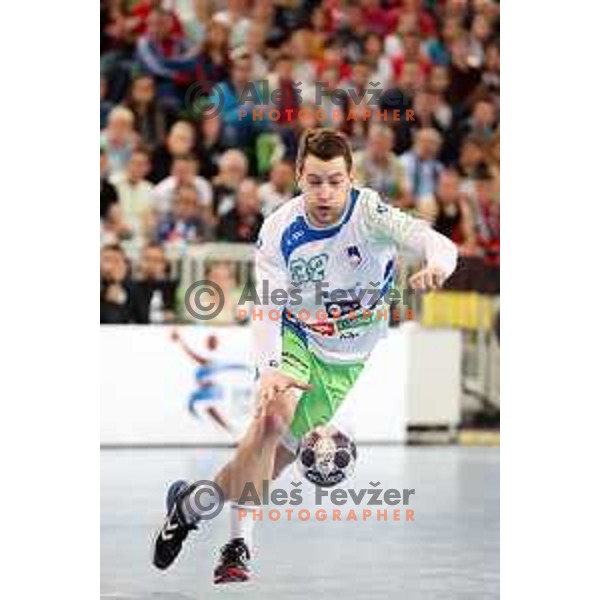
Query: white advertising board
150	384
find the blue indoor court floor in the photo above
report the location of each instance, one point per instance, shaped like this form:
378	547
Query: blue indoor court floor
449	552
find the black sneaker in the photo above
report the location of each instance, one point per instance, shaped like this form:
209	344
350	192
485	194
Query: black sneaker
233	562
170	537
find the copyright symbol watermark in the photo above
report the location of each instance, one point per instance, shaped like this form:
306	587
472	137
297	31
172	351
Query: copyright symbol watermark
204	300
205	501
204	98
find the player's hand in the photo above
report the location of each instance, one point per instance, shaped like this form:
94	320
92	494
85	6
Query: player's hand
429	278
274	382
174	335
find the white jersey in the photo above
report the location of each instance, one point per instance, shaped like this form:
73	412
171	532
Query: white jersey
335	278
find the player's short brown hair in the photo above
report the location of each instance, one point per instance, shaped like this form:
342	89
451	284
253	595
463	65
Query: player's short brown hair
325	144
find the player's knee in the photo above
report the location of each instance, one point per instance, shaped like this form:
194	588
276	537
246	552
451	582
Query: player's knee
276	416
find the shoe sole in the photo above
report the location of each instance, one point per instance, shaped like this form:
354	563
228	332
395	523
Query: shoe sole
232	578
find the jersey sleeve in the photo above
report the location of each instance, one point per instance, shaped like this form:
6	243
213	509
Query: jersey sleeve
271	274
392	225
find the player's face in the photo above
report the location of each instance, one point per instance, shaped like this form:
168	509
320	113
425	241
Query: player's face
326	185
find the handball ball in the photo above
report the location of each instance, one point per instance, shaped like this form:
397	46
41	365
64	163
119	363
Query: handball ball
326	456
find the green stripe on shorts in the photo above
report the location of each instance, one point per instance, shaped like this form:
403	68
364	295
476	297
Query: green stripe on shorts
331	383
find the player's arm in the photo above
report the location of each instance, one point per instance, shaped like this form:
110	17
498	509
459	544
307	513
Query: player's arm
266	332
176	337
216	416
391	224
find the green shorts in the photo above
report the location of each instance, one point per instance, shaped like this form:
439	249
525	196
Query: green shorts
331	383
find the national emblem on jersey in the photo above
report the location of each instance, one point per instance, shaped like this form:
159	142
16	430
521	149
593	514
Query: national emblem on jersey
382	208
353	254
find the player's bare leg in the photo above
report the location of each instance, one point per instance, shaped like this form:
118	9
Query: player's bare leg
284	457
254	460
253	463
259	458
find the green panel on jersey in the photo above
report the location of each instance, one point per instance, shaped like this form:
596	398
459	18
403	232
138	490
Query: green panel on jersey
331	383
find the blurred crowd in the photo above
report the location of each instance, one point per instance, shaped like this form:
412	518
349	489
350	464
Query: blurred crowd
187	157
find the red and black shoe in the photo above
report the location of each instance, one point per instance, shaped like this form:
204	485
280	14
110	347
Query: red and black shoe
233	564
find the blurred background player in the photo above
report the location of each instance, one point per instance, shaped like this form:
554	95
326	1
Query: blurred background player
211	392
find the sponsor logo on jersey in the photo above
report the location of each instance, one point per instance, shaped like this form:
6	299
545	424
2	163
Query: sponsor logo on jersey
348	335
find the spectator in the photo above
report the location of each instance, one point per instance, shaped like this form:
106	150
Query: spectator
377	166
135	194
210	145
108	192
233	168
153	294
333	60
411	52
317	34
115	287
236	21
180	141
151	117
141	14
112	226
423	117
305	69
183	171
282	79
115	47
222	274
243	222
492	158
464	78
166	56
438	48
471	160
359	95
376	18
491	69
478	37
453	216
352	33
213	60
415	17
421	166
438	86
482	122
105	104
327	107
279	189
238	127
184	223
487	220
292	135
399	95
118	139
381	65
480	270
255	47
